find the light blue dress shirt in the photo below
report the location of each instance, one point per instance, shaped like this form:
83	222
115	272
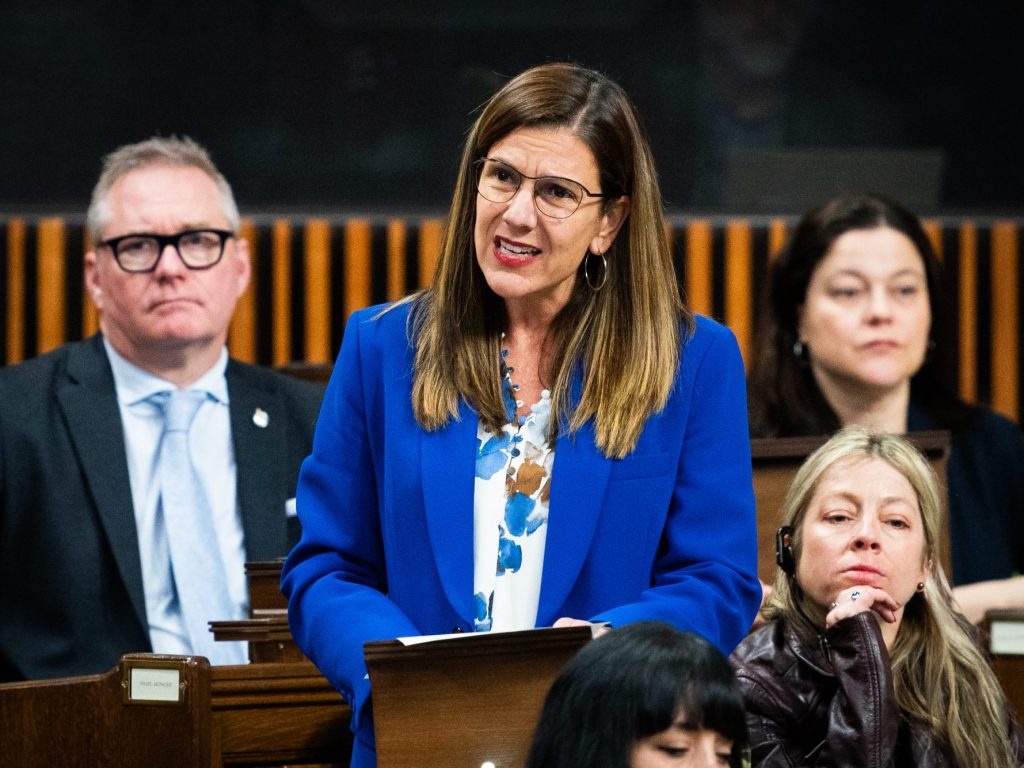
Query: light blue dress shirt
214	458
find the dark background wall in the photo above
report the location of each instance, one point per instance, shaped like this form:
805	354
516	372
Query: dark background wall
321	105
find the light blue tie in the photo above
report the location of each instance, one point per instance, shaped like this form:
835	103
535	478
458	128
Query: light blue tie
192	541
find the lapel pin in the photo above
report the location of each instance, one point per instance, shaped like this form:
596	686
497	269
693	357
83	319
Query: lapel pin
260	418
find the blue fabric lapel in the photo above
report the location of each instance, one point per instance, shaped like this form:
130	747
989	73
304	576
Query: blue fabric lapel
579	480
580	477
448	459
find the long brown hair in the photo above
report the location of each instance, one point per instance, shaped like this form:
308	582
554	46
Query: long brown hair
940	677
624	339
784	398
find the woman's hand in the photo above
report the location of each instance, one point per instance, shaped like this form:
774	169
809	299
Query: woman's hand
597	631
856	600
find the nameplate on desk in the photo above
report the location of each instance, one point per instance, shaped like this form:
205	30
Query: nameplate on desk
1005	632
154	683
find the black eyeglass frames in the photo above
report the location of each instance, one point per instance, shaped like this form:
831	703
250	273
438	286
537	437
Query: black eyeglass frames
198	248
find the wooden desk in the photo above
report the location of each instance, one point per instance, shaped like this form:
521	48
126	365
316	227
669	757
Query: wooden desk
463	702
1004	632
246	715
277	711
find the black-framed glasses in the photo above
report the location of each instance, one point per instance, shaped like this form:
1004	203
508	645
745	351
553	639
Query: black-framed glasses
198	248
554	196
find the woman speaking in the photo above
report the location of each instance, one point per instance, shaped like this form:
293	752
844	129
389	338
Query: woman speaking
546	435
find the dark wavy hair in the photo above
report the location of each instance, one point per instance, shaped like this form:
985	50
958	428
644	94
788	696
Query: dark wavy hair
784	398
632	683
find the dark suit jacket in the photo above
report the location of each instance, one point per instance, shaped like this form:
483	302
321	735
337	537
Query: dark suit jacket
71	597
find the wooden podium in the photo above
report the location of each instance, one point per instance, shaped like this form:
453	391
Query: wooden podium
155	711
465	701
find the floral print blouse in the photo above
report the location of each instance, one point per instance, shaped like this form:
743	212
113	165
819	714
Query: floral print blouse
510	513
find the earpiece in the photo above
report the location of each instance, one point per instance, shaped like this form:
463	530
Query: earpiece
784	550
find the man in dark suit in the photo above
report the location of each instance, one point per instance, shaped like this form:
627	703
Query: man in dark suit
86	571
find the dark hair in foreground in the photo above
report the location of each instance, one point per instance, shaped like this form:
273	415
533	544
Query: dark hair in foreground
633	683
784	398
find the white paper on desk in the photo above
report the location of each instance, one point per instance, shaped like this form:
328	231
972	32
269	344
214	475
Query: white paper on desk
419	639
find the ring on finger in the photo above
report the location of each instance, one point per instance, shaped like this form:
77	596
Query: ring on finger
854	595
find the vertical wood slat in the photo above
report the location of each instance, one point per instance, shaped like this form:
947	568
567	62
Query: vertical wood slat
281	254
698	267
1005	312
317	247
396	245
934	231
51	307
776	238
15	290
738	283
431	232
242	331
968	293
358	265
90	315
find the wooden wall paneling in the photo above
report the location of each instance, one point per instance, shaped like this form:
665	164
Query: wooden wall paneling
1005	313
933	229
281	240
431	232
317	275
777	232
968	294
739	266
242	331
396	245
51	307
90	315
358	267
15	290
699	292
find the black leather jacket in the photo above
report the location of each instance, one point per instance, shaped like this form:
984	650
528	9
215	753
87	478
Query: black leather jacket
831	703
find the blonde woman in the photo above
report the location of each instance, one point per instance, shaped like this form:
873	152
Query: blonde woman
546	435
863	661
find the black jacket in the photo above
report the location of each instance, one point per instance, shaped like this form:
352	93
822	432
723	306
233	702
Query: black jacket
71	596
831	703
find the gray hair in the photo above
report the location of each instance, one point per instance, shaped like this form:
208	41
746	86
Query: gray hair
158	150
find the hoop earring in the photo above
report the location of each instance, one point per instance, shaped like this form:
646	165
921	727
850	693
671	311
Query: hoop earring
586	271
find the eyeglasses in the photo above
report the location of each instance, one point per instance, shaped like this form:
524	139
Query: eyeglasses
198	248
554	196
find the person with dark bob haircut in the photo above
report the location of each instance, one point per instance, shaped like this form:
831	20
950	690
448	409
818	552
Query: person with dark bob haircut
643	696
546	436
854	331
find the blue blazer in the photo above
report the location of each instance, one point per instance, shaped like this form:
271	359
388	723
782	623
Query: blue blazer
386	508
